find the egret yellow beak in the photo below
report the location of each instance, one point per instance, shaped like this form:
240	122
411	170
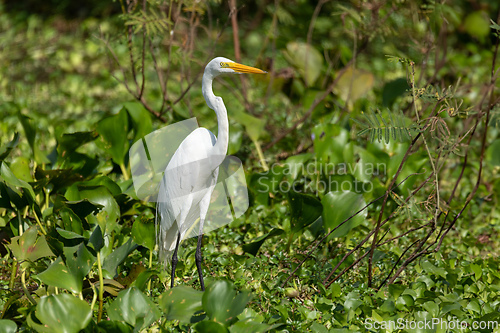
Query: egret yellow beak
239	68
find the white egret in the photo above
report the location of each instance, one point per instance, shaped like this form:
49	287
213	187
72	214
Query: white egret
191	174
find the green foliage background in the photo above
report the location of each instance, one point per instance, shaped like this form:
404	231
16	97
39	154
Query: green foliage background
378	122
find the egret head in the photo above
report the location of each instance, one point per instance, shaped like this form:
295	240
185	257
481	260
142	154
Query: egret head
221	65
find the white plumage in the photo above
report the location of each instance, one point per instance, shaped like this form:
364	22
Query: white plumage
191	174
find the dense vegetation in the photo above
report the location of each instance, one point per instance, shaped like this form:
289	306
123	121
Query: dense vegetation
371	152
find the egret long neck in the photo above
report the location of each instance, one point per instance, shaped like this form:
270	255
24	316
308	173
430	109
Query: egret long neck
220	148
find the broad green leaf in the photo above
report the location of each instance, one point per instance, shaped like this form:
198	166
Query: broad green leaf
477	24
20	167
68	142
118	255
143	233
330	141
140	281
82	208
80	261
354	84
253	126
305	209
7	148
114	326
141	119
11	179
7	326
181	303
393	89
337	207
493	153
29	129
105	181
306	59
388	306
58	275
69	234
58	179
96	239
133	307
249	326
210	327
29	247
34	323
113	136
256	243
296	165
221	302
30	132
100	195
63	313
477	271
404	301
352	301
430	268
396	290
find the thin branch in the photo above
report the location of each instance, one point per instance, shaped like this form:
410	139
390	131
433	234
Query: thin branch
345	221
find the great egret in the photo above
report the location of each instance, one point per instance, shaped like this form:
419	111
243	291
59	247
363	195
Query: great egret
191	174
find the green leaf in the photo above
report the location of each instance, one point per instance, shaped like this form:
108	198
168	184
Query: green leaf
141	282
337	207
251	326
7	326
221	302
20	166
11	179
305	209
493	153
210	327
392	90
29	129
477	271
82	208
113	326
63	313
144	233
141	119
396	289
354	84
68	142
477	24
97	239
30	247
5	150
430	268
306	59
98	195
58	275
112	261
133	307
59	178
254	126
256	243
80	261
181	303
113	136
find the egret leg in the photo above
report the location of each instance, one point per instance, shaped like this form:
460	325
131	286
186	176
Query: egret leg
175	260
197	256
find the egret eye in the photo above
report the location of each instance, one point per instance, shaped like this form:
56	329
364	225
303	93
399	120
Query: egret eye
224	65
